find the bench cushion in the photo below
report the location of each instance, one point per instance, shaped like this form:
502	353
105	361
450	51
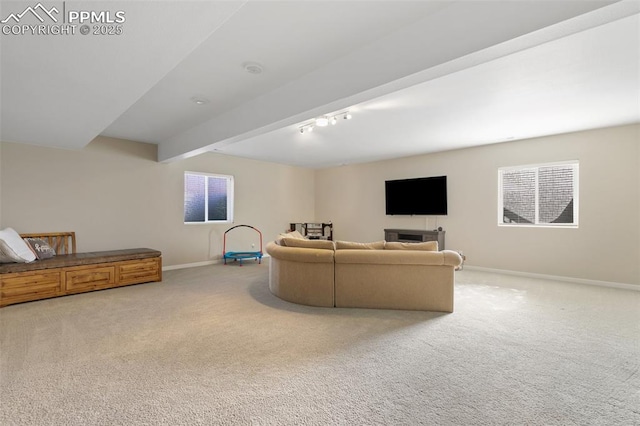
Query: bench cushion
79	259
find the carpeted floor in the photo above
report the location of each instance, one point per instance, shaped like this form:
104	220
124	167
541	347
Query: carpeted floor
212	346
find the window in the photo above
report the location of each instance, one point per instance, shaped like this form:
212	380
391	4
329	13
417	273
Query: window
208	198
540	195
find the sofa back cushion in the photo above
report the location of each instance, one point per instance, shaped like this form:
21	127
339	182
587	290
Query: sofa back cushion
349	245
426	246
304	243
393	258
299	255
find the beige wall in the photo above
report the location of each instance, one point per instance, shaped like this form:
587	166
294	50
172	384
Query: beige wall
114	194
605	247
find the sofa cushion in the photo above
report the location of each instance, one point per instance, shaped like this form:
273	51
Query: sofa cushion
299	254
40	248
13	248
304	243
426	246
390	257
349	245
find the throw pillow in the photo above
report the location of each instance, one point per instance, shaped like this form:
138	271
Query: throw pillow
293	234
40	247
7	255
348	245
14	247
426	246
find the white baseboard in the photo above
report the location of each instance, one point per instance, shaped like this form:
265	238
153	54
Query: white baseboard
555	278
198	264
191	265
470	268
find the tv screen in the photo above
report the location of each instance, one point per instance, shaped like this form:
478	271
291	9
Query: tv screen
420	196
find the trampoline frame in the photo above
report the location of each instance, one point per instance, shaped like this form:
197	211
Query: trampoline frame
241	255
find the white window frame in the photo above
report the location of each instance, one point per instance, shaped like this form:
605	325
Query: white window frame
576	167
230	198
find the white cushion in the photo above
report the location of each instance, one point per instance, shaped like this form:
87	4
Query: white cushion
13	247
292	234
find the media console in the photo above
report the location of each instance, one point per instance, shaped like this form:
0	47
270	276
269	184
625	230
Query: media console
414	236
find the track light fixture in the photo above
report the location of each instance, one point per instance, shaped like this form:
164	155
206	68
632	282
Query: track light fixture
307	128
323	121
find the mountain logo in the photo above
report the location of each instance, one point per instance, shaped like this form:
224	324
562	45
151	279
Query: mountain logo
38	11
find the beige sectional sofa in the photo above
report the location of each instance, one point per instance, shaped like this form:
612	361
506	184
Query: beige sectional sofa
355	275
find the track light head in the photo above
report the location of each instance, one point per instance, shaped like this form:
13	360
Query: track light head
307	128
322	121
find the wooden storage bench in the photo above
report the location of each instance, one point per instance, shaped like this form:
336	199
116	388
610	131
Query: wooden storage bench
69	272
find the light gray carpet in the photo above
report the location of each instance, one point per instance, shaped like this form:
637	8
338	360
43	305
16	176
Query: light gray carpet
211	345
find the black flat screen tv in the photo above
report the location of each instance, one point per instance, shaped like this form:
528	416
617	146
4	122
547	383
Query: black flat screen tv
419	196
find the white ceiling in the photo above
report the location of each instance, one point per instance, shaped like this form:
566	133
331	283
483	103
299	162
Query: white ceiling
418	76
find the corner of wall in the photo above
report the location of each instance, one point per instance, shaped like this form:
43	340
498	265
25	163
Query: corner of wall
637	138
1	180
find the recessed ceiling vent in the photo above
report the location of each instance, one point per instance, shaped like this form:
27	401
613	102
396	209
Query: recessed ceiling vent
253	67
198	100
